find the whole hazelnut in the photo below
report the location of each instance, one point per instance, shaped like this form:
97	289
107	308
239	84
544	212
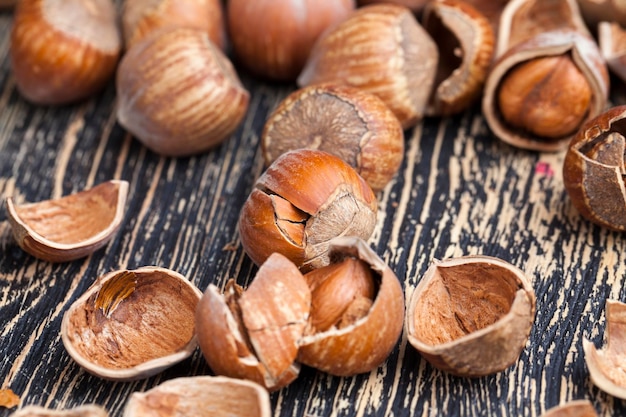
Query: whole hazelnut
143	17
62	52
345	121
178	93
414	5
277	45
303	200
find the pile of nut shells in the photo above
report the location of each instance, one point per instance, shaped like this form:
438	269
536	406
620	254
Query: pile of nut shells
365	73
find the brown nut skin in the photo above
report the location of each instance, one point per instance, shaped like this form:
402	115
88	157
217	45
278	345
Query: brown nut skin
178	93
593	169
254	334
471	316
586	56
383	50
364	344
466	45
201	395
63	52
344	121
578	408
105	330
140	18
302	201
70	227
277	45
606	365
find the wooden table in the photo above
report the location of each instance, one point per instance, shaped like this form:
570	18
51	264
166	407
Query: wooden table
459	191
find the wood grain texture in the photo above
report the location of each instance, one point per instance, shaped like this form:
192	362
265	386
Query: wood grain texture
459	191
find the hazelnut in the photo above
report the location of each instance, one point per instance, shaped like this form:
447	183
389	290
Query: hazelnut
254	334
606	365
143	17
303	200
542	90
549	97
471	316
414	5
578	408
594	169
357	311
66	51
277	45
345	121
383	50
201	395
89	410
70	227
106	329
178	93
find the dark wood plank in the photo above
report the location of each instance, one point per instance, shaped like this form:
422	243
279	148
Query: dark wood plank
460	191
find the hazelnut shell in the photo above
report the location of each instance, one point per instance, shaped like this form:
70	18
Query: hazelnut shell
106	330
70	227
365	344
471	316
577	408
88	410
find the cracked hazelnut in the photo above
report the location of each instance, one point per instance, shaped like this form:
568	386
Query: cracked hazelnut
471	316
143	17
65	51
254	334
357	311
70	227
303	200
606	365
178	93
344	121
106	330
594	169
201	395
383	50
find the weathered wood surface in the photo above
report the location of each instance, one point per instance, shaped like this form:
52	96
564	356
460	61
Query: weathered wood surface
460	191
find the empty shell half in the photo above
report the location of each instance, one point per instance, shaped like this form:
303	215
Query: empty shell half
471	316
131	324
606	365
69	227
201	396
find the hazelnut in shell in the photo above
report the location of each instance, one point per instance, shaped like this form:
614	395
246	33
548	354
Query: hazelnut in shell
70	227
304	199
132	324
594	169
471	316
383	50
357	311
201	396
415	5
273	38
606	365
345	121
141	18
254	334
178	93
64	51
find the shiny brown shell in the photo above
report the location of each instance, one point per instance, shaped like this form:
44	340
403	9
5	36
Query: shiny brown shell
594	167
201	396
344	121
471	316
70	227
132	324
303	200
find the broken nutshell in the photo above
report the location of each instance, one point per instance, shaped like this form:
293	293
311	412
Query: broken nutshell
594	169
70	227
201	395
578	408
88	410
131	324
344	121
606	365
471	316
254	334
304	199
